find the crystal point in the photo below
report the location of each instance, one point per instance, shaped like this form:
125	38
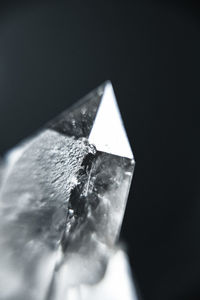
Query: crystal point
108	133
62	198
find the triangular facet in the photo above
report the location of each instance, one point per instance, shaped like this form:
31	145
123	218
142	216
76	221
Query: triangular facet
108	133
78	120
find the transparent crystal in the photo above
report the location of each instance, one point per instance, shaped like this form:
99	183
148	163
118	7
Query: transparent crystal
62	199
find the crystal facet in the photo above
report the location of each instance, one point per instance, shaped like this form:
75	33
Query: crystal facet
62	199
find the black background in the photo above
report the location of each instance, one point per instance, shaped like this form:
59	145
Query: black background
53	53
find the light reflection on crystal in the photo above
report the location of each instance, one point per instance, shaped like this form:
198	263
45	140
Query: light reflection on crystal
108	133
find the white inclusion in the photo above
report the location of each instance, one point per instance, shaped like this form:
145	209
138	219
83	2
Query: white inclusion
116	284
108	133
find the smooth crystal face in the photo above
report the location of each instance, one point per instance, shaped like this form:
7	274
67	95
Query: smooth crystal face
62	200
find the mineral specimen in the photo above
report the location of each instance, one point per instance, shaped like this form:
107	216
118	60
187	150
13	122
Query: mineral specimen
62	198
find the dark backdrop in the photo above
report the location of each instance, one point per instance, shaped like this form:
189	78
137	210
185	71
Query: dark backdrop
52	53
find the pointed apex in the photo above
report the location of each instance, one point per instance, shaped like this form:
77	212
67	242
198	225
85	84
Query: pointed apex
96	117
108	133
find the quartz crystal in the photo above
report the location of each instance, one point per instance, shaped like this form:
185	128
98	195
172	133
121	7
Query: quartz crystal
62	199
